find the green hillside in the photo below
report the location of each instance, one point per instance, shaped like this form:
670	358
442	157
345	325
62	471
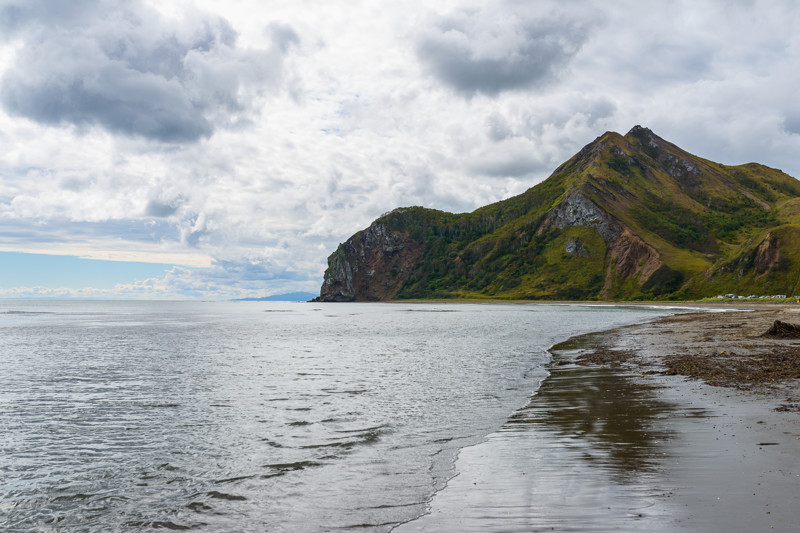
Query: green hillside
627	217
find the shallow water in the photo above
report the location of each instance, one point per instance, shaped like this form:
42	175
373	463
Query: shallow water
130	416
584	455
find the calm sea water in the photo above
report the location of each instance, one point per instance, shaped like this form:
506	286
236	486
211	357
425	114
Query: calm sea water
132	416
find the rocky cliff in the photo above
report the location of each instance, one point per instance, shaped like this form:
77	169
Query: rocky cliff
627	217
370	266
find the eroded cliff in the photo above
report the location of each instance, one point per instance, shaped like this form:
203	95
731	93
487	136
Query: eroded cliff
370	266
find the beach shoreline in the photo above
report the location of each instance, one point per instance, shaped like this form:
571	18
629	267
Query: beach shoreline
616	439
736	466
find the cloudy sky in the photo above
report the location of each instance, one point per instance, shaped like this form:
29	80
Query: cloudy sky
222	149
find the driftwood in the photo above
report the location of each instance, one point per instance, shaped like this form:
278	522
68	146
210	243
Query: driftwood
783	330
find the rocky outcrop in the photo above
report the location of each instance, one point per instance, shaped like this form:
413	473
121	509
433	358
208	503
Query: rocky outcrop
575	247
768	254
338	283
370	266
578	210
633	256
629	256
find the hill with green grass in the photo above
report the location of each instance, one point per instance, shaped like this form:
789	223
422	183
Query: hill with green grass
627	218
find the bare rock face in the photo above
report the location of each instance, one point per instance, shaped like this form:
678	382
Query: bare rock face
630	256
370	266
634	257
767	254
577	210
575	247
338	284
684	172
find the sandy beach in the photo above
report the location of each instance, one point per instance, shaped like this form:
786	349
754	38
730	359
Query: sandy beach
687	423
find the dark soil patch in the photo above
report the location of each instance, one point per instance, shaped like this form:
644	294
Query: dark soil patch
728	369
783	330
604	356
791	405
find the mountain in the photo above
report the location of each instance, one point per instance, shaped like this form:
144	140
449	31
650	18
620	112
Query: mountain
627	217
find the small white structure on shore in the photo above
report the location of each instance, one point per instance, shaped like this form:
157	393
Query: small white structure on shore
752	296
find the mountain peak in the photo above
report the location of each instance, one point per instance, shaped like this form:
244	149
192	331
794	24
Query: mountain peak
637	129
646	137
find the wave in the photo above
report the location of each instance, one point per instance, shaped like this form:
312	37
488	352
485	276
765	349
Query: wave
13	312
225	496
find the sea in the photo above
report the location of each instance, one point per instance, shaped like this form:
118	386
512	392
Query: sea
258	416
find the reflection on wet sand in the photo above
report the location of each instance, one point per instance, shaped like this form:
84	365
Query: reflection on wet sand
583	455
602	413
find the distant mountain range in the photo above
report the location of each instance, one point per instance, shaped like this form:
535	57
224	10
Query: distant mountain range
289	297
628	217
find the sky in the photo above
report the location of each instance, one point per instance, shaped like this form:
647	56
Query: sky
206	149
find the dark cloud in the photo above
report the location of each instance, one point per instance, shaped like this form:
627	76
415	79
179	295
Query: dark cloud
491	51
194	229
656	64
159	209
791	122
283	36
508	165
597	109
124	68
17	15
497	127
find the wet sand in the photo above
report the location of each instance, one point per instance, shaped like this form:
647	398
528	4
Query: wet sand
630	445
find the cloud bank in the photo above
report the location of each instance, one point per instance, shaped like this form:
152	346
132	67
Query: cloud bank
121	66
242	143
500	46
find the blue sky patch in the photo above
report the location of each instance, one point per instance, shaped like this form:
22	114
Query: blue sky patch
31	270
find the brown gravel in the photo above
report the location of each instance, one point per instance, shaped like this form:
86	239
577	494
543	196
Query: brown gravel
740	370
752	350
604	356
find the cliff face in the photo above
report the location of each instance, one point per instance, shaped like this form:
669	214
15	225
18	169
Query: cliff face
627	217
370	266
